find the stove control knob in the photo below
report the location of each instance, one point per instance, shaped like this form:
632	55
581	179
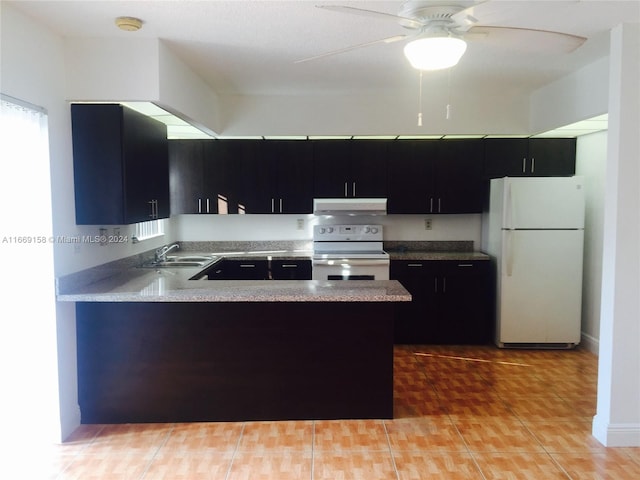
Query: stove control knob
329	229
374	229
367	229
322	230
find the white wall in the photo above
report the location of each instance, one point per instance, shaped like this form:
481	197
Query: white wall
578	96
591	158
502	112
284	227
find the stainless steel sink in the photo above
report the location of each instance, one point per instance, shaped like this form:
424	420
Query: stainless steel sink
175	261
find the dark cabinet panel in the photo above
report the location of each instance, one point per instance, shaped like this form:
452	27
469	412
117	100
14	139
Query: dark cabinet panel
436	176
350	168
553	156
411	176
121	165
186	179
229	269
221	174
459	183
451	302
291	269
289	166
519	157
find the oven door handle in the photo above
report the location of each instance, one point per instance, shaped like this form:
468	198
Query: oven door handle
363	262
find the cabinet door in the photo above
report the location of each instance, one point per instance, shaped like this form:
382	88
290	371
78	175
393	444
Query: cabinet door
460	186
411	176
463	303
186	176
145	160
368	168
506	157
415	320
220	176
291	269
552	156
331	168
255	179
121	169
292	161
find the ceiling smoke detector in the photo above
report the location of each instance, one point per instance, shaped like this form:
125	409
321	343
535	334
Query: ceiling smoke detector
129	24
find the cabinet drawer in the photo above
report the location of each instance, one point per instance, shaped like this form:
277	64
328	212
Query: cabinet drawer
246	270
291	269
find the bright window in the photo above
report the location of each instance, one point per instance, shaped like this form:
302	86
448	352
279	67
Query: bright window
150	229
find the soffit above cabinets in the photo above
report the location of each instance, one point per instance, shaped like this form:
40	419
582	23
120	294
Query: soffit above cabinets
181	129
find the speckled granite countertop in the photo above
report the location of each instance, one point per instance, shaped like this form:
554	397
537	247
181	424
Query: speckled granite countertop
173	285
124	281
136	284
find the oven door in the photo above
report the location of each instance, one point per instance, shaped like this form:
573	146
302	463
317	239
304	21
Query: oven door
350	269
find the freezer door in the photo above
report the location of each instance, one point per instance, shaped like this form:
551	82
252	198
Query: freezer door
540	287
543	203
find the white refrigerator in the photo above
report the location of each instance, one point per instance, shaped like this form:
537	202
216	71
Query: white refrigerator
534	232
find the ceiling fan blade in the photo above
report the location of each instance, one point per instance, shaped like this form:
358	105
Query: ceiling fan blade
393	39
404	21
526	39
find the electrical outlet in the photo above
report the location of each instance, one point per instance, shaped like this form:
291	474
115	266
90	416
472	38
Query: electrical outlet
428	225
300	224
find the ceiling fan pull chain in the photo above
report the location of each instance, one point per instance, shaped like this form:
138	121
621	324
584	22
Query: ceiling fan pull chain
420	101
448	116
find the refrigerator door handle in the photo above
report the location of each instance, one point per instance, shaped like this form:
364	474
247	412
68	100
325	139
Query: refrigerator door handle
508	210
508	245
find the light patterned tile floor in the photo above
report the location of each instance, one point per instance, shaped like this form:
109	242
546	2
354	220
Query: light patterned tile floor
460	413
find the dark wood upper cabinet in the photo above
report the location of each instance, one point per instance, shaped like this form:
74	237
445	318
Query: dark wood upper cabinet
186	177
411	176
350	168
436	176
459	183
523	157
289	166
121	167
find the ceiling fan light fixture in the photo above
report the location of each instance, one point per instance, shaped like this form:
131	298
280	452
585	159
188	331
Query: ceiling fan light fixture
435	53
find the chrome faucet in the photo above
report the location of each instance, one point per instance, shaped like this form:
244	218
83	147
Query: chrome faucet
161	253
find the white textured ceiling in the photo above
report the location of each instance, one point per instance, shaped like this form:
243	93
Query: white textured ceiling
249	47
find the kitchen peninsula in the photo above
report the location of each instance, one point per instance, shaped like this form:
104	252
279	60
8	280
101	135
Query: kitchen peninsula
154	346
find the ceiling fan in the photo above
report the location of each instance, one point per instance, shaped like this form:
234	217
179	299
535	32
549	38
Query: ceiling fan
439	32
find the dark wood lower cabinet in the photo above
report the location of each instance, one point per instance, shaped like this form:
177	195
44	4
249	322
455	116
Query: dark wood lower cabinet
183	362
451	302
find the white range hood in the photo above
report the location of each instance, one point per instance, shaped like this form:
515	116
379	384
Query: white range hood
350	206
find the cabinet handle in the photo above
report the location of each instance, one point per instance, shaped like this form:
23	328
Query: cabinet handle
354	189
444	284
345	189
247	265
199	205
208	210
280	205
154	209
524	165
533	164
272	205
431	205
435	284
465	264
289	265
439	204
414	265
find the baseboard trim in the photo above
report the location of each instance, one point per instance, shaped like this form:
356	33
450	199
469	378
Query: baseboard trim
592	344
616	434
